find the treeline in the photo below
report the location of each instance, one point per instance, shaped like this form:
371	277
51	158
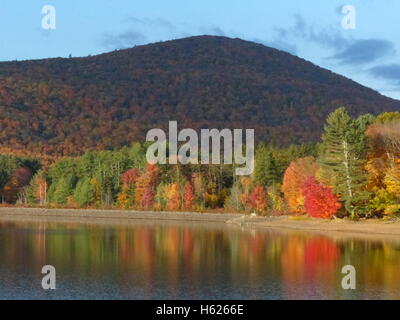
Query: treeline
123	179
354	171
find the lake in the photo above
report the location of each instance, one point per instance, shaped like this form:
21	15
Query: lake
170	260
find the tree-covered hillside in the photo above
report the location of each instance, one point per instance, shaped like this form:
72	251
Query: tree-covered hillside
68	106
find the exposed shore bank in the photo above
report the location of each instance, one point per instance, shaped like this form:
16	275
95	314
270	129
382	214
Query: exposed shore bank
108	216
367	227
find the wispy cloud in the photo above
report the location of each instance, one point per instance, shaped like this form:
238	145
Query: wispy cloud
300	30
390	72
346	50
365	51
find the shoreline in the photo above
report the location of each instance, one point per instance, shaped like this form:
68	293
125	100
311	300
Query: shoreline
374	229
301	224
108	216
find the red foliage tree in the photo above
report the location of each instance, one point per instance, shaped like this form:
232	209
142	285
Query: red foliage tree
19	179
258	199
320	201
23	176
188	196
130	177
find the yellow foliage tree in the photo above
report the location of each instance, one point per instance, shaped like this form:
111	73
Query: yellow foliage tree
173	197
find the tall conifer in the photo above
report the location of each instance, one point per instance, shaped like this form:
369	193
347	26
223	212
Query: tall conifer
342	159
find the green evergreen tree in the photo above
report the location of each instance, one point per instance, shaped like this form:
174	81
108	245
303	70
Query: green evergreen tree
62	190
84	193
342	159
266	171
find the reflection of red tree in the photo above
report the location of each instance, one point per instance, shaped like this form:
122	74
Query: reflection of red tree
188	244
320	255
257	244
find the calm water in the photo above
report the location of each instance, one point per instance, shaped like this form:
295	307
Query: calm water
190	261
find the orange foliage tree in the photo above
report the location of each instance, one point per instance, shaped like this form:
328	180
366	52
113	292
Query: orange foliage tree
293	180
246	184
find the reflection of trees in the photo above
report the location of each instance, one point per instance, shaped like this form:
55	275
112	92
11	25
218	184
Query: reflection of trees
150	253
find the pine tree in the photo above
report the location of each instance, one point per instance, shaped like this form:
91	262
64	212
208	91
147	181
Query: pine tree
63	189
342	159
84	193
266	171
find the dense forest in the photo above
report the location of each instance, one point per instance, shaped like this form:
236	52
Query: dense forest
353	172
65	107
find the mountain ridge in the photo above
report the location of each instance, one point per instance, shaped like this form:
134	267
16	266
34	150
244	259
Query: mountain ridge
66	106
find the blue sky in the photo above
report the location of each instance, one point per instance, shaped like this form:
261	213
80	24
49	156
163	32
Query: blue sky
310	29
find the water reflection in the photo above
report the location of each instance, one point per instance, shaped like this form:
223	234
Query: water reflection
191	261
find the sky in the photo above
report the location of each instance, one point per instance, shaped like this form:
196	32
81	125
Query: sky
365	48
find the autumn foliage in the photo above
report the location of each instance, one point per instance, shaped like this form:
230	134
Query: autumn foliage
39	188
188	196
320	201
145	187
64	107
356	168
12	190
130	177
258	199
173	197
293	180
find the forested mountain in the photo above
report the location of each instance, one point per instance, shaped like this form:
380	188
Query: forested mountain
67	106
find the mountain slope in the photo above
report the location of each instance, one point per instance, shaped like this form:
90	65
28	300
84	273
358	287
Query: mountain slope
67	106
